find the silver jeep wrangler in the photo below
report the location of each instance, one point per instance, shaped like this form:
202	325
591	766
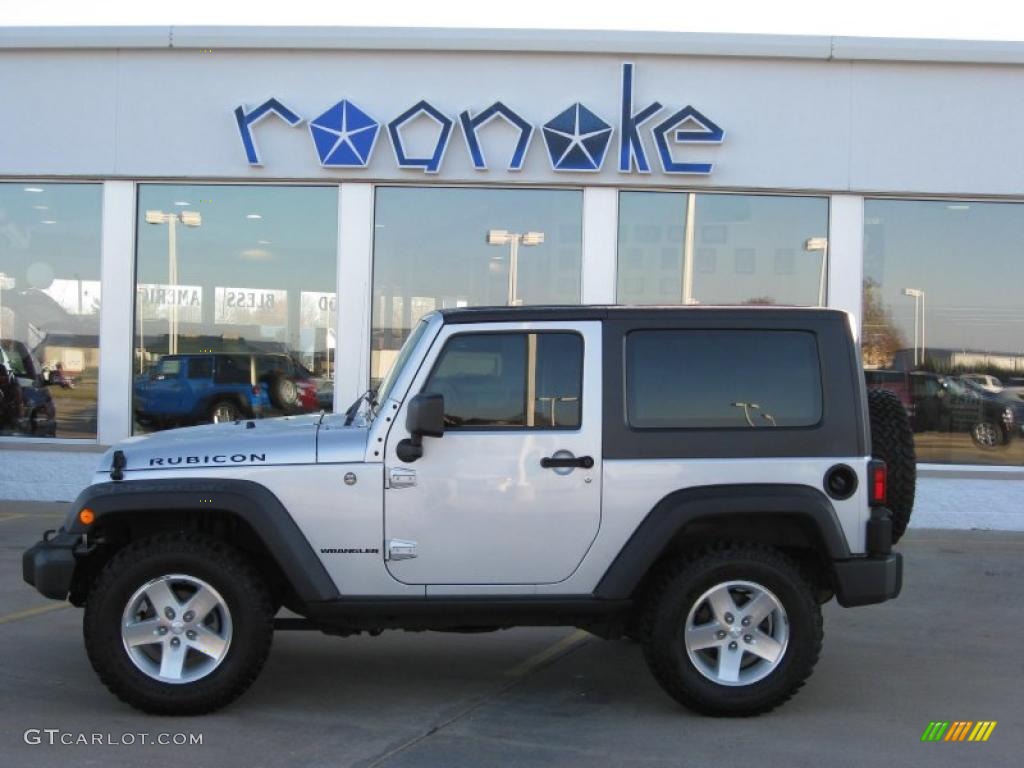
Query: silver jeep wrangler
701	480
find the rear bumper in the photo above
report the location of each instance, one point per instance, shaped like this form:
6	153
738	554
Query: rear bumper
49	565
867	580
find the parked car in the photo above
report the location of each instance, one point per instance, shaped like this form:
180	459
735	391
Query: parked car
947	404
897	382
193	388
983	381
26	404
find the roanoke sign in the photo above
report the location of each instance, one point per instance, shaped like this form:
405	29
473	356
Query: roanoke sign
575	140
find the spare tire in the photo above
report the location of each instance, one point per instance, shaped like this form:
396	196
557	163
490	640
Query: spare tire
284	393
892	441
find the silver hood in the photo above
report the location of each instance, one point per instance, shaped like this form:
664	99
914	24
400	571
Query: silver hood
262	442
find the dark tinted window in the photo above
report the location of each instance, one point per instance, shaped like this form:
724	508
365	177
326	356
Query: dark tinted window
200	367
722	379
525	380
233	369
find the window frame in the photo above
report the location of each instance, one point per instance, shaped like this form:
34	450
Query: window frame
513	332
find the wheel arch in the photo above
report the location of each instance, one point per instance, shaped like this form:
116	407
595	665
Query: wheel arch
242	512
797	518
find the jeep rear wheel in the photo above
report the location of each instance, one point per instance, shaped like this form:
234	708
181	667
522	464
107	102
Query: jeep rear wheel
892	441
224	411
733	630
178	624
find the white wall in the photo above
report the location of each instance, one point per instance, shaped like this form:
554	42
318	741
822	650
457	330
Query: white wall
790	124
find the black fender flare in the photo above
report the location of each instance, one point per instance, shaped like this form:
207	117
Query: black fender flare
683	507
251	502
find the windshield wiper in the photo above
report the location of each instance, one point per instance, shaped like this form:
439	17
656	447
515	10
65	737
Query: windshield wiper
353	409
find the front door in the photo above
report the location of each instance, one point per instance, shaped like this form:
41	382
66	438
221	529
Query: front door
511	494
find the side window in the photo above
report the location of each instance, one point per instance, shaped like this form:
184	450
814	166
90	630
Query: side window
510	380
200	368
719	379
233	369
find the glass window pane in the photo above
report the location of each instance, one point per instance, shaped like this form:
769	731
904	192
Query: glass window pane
431	251
240	281
739	249
487	379
49	308
715	379
483	380
943	321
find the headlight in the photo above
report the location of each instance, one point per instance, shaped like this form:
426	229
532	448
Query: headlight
1008	415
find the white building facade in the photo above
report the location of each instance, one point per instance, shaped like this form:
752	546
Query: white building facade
173	193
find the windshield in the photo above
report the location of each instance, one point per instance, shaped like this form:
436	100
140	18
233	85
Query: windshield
388	383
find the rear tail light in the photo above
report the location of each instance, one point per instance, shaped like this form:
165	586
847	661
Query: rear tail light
878	479
256	389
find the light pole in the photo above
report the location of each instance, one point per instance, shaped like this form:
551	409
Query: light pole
919	330
513	240
820	244
188	219
6	283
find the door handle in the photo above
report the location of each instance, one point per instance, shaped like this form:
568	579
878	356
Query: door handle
550	462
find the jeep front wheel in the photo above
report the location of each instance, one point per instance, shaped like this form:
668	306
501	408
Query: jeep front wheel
178	624
733	630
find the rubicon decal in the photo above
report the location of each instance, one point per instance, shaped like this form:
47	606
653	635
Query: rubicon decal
958	730
576	138
216	458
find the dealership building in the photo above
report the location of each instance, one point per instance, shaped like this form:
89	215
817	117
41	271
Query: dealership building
312	192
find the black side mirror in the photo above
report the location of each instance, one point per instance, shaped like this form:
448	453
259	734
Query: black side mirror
424	418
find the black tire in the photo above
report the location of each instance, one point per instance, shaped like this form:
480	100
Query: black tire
988	435
892	441
284	393
224	411
679	587
215	562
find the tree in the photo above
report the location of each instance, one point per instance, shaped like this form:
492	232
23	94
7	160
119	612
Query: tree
881	336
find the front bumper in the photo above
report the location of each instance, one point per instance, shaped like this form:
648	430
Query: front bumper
867	580
49	565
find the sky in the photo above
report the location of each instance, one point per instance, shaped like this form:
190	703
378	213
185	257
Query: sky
976	20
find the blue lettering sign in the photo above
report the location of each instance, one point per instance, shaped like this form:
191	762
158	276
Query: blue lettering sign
705	132
576	140
631	146
429	164
470	125
248	118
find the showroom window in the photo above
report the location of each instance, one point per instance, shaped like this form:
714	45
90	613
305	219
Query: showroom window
943	323
437	248
689	248
49	308
235	305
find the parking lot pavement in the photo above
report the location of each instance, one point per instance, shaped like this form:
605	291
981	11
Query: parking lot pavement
947	649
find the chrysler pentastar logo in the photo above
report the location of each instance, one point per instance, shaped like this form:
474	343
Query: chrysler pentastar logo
577	139
344	136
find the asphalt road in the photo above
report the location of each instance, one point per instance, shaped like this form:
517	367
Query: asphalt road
947	649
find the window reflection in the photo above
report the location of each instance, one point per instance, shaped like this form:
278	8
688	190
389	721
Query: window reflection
943	321
439	248
235	306
49	308
688	248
